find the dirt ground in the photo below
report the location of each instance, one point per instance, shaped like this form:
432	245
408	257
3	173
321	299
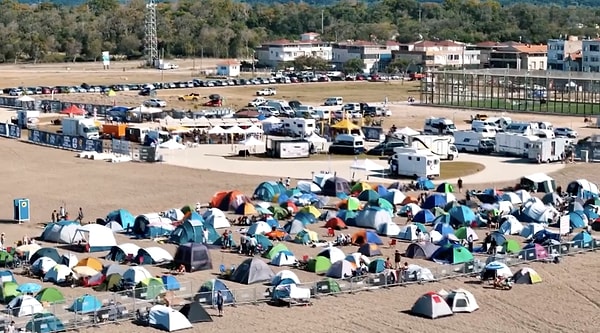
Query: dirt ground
51	178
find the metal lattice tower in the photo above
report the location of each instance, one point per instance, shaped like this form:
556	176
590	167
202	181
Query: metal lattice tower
151	41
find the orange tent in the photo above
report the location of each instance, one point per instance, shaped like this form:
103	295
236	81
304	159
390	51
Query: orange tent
74	110
409	199
336	223
275	234
91	263
246	209
228	200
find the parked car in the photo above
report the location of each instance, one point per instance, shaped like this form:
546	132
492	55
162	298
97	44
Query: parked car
386	148
189	97
266	92
565	132
155	102
258	101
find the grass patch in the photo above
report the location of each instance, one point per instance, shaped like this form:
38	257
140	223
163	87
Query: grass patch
315	157
551	106
453	169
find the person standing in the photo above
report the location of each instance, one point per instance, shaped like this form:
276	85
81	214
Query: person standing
54	216
470	243
460	185
80	215
62	212
205	235
288	182
397	259
220	302
11	327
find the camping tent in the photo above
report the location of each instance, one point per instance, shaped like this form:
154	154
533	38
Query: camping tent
45	323
336	223
152	225
536	211
389	229
340	270
167	319
531	229
370	250
431	305
533	251
207	294
284	275
539	182
121	216
24	305
494	269
153	255
452	254
408	232
527	275
465	233
7	276
195	313
98	237
582	188
377	266
366	236
228	200
293	227
510	225
149	288
135	275
418	273
122	252
216	218
334	186
421	250
170	282
194	256
334	254
252	270
8	291
273	250
371	217
69	259
49	252
86	304
189	231
583	239
91	262
61	232
41	266
50	295
461	300
284	258
58	274
266	191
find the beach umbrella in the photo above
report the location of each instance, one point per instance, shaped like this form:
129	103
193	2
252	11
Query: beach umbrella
29	288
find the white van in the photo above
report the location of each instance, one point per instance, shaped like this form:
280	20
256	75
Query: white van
306	111
347	144
282	106
324	114
330	101
477	124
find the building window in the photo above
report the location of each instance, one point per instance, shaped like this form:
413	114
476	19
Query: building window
594	48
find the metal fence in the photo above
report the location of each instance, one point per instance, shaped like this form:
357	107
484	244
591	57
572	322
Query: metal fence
123	306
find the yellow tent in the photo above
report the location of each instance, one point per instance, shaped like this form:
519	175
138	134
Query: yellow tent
345	125
311	210
111	93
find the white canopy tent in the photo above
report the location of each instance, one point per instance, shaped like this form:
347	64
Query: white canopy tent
252	142
407	131
254	130
271	120
235	129
26	98
366	165
217	130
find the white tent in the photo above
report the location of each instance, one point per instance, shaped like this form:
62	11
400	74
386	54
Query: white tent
259	228
114	226
308	186
252	142
408	233
216	218
58	274
389	229
461	300
284	274
418	273
511	197
395	196
536	211
136	274
271	120
431	305
582	188
333	253
158	254
531	229
254	130
523	195
504	207
500	268
171	145
235	129
42	265
366	165
26	98
98	237
165	318
340	270
84	271
62	233
284	258
317	141
407	131
24	305
217	130
174	214
510	226
372	217
28	249
69	259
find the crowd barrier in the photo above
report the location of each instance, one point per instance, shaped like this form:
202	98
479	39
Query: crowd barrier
125	304
52	105
10	131
67	142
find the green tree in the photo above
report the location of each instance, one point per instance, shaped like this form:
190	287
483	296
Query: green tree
354	66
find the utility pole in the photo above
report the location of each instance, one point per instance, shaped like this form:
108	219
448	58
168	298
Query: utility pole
322	23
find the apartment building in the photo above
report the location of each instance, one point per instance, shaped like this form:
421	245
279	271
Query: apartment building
519	56
374	56
565	54
590	61
280	51
430	55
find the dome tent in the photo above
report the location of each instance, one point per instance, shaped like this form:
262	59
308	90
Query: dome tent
335	186
283	275
122	252
194	256
461	300
153	255
266	191
165	318
252	270
207	293
98	237
24	305
45	323
371	217
431	305
122	217
61	232
195	313
216	218
510	225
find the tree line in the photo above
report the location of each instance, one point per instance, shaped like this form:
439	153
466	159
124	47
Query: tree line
48	32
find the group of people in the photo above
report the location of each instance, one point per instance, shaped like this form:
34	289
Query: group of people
249	245
62	215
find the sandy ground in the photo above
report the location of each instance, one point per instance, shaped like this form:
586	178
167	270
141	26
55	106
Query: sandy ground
51	178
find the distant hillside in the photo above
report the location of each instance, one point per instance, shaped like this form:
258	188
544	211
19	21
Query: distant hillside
562	3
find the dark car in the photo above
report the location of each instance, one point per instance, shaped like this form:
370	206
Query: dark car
386	148
294	104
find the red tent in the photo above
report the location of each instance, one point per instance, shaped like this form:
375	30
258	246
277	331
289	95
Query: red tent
74	110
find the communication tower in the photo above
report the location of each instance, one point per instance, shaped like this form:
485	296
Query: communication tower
151	40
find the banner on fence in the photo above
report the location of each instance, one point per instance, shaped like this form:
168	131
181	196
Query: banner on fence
64	141
121	147
147	154
10	131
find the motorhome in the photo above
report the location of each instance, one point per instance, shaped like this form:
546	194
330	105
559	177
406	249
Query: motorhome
550	150
478	124
441	126
473	142
324	114
306	111
514	144
299	126
531	128
347	144
414	162
440	145
486	130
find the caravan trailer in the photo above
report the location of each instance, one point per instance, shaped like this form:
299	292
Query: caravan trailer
301	127
414	162
473	142
514	144
441	145
550	150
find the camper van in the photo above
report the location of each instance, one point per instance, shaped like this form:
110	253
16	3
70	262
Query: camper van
473	142
324	114
413	162
299	126
346	144
439	126
531	128
514	144
440	145
477	124
550	150
499	122
282	106
306	111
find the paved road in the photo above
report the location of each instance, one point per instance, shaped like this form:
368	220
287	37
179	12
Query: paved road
212	157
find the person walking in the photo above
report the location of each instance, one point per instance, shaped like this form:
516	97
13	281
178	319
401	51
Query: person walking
460	185
11	327
205	235
220	303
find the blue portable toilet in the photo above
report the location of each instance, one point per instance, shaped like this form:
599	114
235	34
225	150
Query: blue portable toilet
86	304
21	210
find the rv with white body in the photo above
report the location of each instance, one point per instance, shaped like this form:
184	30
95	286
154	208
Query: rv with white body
473	142
439	126
440	145
531	128
499	122
413	162
514	144
550	150
299	126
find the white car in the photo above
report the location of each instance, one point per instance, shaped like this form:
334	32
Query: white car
15	92
565	132
258	101
155	102
266	92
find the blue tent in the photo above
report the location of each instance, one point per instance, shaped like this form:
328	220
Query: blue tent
578	219
424	216
305	218
267	191
543	235
489	196
369	237
583	239
425	184
462	215
382	190
444	218
444	229
7	276
447	241
282	290
498	237
86	304
435	200
346	215
45	323
377	266
208	292
189	231
590	213
272	222
121	216
263	241
170	282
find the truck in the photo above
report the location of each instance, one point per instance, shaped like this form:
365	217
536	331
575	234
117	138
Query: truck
439	126
550	150
301	127
440	145
514	144
473	142
414	162
80	127
116	131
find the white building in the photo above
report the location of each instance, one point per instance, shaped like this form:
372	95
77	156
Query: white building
590	61
563	54
436	54
375	57
230	68
280	51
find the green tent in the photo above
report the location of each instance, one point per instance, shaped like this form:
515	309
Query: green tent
511	246
149	288
5	258
9	291
445	188
381	202
50	295
111	283
274	250
45	323
352	204
464	232
279	212
319	265
328	286
369	196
